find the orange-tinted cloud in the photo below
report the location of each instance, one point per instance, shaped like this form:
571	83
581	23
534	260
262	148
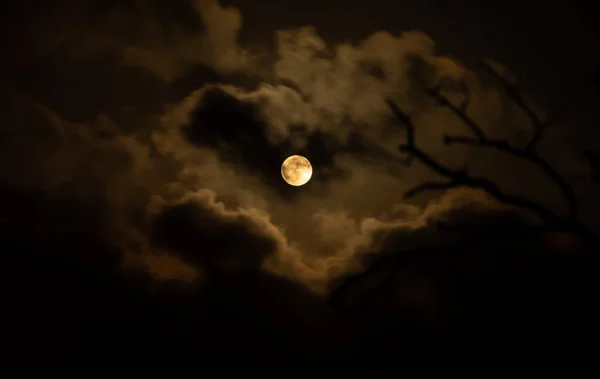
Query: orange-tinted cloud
213	156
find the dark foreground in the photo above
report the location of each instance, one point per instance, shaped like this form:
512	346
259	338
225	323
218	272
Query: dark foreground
65	298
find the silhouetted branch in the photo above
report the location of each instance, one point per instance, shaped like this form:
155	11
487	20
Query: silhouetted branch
512	92
465	103
458	111
482	140
550	221
594	162
537	135
405	120
429	161
593	159
527	155
539	125
429	186
459	178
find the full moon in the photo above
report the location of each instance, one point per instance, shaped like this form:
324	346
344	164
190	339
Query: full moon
296	170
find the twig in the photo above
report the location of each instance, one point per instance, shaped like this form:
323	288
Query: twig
429	186
539	125
461	179
405	120
458	111
527	155
467	100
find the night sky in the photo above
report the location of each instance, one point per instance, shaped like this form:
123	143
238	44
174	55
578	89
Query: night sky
453	210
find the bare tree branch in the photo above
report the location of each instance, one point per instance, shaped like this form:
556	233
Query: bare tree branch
539	125
461	179
465	103
593	159
482	140
429	161
530	156
458	111
549	122
405	120
429	186
535	138
551	222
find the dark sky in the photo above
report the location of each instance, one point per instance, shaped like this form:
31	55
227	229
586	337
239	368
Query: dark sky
537	43
143	216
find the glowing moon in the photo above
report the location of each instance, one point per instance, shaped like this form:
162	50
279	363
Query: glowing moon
296	170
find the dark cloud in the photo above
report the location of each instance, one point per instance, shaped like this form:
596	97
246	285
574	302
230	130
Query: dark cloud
238	131
166	40
207	234
232	139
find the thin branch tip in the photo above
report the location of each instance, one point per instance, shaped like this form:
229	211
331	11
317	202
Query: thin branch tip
430	186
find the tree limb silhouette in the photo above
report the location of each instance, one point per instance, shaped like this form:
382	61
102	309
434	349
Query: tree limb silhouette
459	111
479	139
460	178
405	120
593	160
549	220
429	186
527	155
511	91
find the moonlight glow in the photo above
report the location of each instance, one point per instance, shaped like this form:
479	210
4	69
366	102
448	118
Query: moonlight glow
296	170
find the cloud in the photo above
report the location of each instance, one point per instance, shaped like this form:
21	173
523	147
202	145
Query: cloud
329	104
241	136
223	25
208	234
205	233
161	265
166	40
104	171
174	51
352	81
201	234
195	188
